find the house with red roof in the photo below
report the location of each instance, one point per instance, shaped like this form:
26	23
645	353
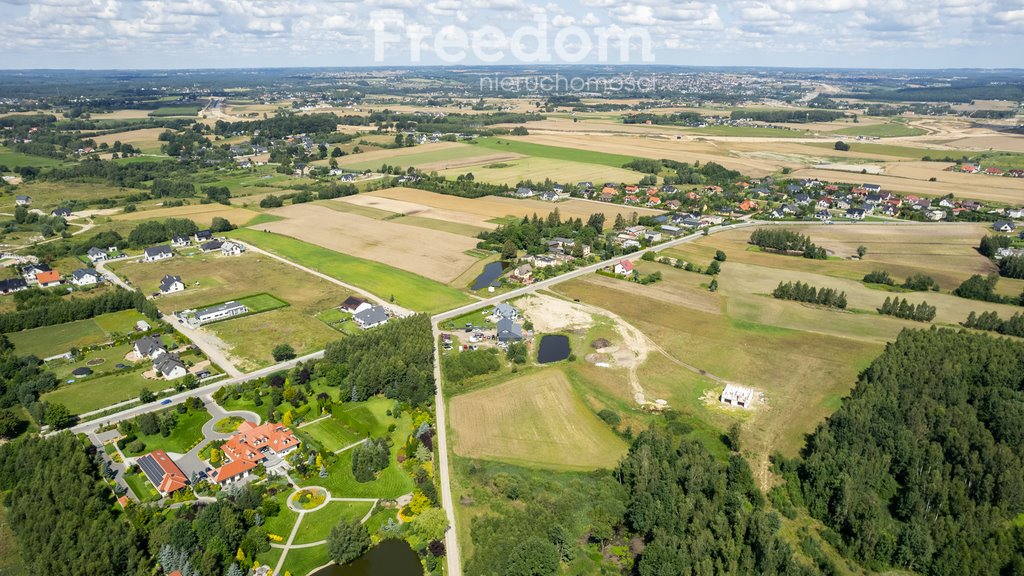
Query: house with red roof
624	268
251	446
162	472
48	278
994	171
631	199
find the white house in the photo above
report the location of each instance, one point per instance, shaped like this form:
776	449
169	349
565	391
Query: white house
374	316
1003	226
155	253
180	241
149	347
624	268
355	305
85	277
506	310
735	395
170	284
170	366
231	249
22	200
96	254
221	311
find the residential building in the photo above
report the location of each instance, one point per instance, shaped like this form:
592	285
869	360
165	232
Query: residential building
251	446
506	310
12	285
149	347
523	274
231	249
96	254
162	472
1004	226
220	312
170	284
211	246
22	200
855	213
509	331
60	212
29	271
354	305
180	241
374	316
203	236
624	268
170	366
85	277
48	279
154	253
735	395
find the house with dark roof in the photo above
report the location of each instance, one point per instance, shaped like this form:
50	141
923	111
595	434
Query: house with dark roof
162	472
29	271
149	347
60	212
523	192
355	305
180	241
85	277
22	200
229	248
154	253
374	316
204	235
211	246
855	213
96	255
509	331
506	310
1004	226
170	366
169	284
12	285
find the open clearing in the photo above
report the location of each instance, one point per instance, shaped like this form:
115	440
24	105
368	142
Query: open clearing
537	421
145	139
409	290
47	341
434	254
427	157
489	208
201	214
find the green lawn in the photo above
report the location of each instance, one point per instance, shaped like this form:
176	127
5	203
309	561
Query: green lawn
263	219
409	290
413	157
555	152
269	558
181	110
887	130
93	394
368	418
317	525
302	561
141	487
228	425
49	341
748	132
331	434
186	432
340	321
284	521
262	302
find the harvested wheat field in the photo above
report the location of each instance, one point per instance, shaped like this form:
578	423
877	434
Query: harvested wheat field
455	153
536	420
489	208
201	214
416	209
429	253
145	139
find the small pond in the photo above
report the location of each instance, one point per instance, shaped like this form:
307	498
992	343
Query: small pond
553	347
490	274
389	558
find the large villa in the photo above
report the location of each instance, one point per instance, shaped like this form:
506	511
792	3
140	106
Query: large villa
251	446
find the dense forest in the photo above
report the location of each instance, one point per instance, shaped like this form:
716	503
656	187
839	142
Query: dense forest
395	359
921	468
69	310
22	379
787	241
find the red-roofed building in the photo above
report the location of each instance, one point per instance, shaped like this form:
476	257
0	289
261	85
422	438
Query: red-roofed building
631	199
49	278
162	472
251	446
624	268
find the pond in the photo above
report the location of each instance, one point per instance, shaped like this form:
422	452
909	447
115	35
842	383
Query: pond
389	558
490	274
553	347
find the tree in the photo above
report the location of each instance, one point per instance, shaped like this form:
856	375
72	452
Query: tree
431	524
842	146
861	251
714	268
509	250
534	556
719	255
713	286
336	152
283	352
221	225
147	423
347	541
10	424
145	396
57	415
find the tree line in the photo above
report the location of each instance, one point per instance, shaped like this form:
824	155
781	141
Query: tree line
983	288
532	233
1013	326
462	187
901	308
787	241
914	282
70	310
790	116
800	292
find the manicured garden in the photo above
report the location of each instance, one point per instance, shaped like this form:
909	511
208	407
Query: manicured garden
317	525
186	433
331	434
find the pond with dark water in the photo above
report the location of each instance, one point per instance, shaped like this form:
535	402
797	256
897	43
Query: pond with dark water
491	273
553	347
389	558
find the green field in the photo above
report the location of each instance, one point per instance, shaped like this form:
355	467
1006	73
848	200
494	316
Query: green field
141	487
47	341
282	523
409	290
748	132
415	157
317	525
180	110
331	434
887	130
262	302
555	152
302	561
13	159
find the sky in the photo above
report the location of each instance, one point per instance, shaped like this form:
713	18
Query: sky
158	34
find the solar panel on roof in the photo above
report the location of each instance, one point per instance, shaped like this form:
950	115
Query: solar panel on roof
151	469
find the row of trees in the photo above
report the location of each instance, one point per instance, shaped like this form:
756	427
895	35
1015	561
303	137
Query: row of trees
901	308
983	288
801	292
532	234
915	282
788	241
1014	326
791	116
70	310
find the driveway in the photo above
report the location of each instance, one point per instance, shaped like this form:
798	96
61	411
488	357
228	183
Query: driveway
190	463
